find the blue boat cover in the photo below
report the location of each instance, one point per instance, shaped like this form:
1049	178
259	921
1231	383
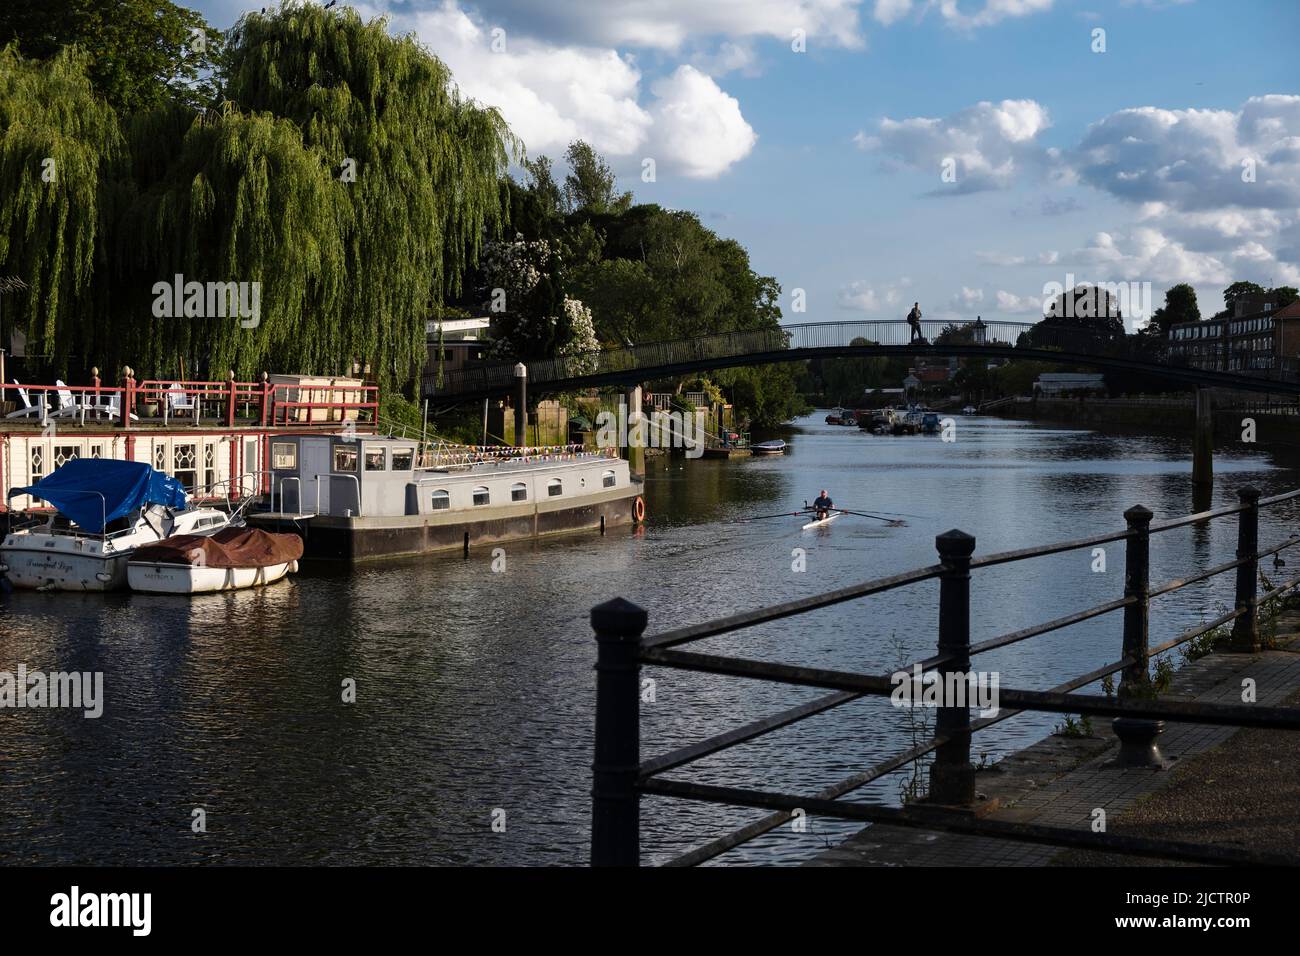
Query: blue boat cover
126	486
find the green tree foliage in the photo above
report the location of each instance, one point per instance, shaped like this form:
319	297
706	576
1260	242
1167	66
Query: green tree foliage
845	379
1285	295
427	164
590	185
143	52
343	173
1238	289
254	206
60	149
1180	306
1085	318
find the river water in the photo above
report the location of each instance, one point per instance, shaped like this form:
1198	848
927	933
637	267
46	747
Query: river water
475	691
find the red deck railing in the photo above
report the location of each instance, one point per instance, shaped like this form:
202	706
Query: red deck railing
161	401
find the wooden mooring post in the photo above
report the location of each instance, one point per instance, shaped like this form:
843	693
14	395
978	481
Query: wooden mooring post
1203	442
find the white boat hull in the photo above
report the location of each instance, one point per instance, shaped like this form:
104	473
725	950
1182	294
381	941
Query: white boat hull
824	521
39	569
188	579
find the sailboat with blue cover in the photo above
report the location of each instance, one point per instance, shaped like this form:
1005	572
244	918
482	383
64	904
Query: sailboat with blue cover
104	510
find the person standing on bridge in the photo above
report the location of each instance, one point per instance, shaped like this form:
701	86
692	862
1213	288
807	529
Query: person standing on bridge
914	320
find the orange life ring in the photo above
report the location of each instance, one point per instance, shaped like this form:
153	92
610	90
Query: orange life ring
638	509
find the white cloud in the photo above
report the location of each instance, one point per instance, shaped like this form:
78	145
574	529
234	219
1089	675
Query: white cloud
551	95
890	11
697	127
1198	159
1027	304
1047	258
992	12
862	296
991	144
967	298
1146	254
668	24
728	58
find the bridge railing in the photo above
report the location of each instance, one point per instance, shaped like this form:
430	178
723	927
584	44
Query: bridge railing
499	376
622	775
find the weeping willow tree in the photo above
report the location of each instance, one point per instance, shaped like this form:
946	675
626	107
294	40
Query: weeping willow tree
340	172
60	147
241	202
418	170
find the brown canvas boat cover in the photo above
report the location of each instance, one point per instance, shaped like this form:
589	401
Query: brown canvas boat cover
228	548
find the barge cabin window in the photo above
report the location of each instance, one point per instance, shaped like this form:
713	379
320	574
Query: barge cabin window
441	501
375	459
607	480
402	458
519	492
345	459
482	496
284	456
554	488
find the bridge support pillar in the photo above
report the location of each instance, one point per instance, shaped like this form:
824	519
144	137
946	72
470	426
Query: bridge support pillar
1203	443
634	449
521	404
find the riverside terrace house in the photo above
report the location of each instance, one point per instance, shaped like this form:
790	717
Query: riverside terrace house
463	342
927	378
1056	384
1257	338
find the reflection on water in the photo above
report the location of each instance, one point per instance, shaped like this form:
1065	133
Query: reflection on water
475	690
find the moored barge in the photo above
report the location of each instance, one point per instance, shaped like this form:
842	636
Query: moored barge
357	498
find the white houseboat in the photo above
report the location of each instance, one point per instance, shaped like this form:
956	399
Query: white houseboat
360	497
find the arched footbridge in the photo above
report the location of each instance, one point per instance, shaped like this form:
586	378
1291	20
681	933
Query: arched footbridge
634	364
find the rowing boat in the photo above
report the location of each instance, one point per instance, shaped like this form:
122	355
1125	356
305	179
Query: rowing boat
821	521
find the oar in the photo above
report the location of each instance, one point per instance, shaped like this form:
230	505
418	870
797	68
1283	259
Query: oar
904	514
892	522
784	514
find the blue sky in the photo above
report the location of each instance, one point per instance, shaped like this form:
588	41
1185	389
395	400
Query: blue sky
1173	155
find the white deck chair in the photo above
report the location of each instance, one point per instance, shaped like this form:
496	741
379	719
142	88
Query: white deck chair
28	409
112	407
67	404
178	400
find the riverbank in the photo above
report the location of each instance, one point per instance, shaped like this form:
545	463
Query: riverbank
1216	791
1274	423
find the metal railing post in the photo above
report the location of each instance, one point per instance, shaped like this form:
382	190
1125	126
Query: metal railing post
1137	585
1137	736
952	775
615	800
1245	629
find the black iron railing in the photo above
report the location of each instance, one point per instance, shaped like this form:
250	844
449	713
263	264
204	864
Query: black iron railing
622	776
657	355
1044	341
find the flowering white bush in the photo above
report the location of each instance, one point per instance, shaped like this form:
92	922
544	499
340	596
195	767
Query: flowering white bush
584	337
